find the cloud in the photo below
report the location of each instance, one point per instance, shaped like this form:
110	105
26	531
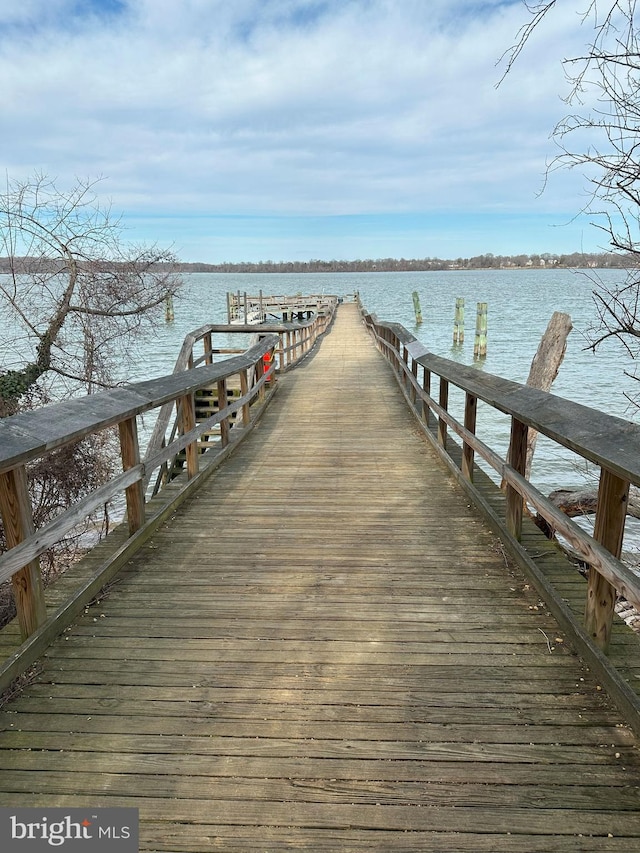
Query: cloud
284	107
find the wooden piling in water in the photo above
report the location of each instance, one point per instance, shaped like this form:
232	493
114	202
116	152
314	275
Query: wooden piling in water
480	344
169	315
416	307
458	322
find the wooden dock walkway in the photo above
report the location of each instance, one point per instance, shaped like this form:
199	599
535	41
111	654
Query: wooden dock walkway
326	649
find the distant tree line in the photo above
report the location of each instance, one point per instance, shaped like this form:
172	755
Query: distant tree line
576	260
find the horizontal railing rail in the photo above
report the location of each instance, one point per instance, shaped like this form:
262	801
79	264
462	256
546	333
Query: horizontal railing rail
611	443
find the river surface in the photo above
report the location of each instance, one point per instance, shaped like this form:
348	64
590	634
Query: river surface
520	304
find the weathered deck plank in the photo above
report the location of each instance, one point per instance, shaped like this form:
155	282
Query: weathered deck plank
325	650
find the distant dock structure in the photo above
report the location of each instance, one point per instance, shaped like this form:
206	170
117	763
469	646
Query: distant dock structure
245	309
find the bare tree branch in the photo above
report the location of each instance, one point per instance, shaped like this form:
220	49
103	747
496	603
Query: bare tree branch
72	280
601	137
77	297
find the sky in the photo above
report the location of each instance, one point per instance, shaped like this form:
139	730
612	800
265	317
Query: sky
247	130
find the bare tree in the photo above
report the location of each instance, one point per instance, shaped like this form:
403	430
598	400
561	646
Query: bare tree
601	136
73	297
74	294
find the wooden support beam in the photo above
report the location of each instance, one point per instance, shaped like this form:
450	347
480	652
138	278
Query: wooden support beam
517	459
187	423
222	405
244	390
208	348
426	385
470	413
613	494
280	349
444	403
414	373
28	589
130	452
289	353
259	375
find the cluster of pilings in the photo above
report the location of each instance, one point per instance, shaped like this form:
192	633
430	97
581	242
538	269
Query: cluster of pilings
480	343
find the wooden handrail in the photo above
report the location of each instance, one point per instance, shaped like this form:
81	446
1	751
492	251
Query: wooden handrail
300	337
610	442
29	435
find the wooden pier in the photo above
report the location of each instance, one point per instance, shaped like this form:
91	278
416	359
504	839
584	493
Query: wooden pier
326	648
245	308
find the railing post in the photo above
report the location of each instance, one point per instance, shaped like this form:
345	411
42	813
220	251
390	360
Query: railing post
613	494
288	354
444	404
470	412
405	359
259	375
517	459
244	391
187	423
28	589
426	385
414	373
386	349
130	452
208	348
222	405
378	334
281	352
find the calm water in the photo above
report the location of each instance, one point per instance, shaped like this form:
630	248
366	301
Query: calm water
520	305
520	302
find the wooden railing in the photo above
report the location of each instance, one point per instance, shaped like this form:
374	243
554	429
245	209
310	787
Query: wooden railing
32	435
200	347
245	307
611	443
